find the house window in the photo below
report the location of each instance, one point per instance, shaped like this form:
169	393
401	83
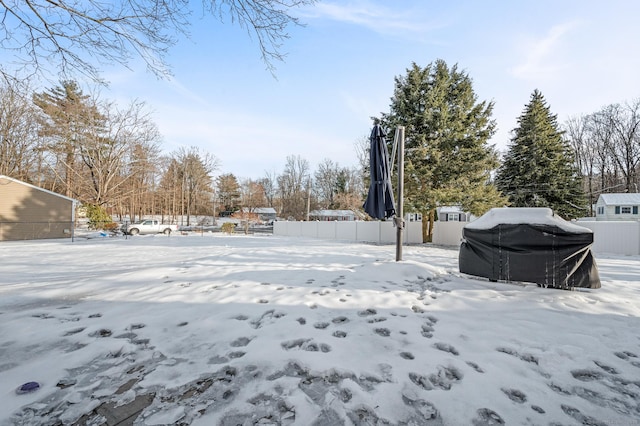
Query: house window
600	210
635	209
625	209
453	217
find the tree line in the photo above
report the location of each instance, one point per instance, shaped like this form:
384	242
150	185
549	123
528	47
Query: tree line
109	156
103	155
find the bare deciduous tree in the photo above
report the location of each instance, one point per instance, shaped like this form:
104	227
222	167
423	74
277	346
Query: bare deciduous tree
77	36
326	180
194	179
106	151
18	134
294	186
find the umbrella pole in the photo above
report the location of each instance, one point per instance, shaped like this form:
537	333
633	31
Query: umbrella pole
399	219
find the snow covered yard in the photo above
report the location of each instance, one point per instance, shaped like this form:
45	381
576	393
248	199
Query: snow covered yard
217	329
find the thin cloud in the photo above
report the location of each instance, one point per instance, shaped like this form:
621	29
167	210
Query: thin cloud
383	20
541	55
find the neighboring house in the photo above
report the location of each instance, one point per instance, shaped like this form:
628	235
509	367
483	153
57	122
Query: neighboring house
453	214
28	212
624	206
330	215
266	214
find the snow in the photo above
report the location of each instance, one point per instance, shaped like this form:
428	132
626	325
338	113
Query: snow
524	215
234	329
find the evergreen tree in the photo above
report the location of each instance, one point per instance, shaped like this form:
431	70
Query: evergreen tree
539	168
228	189
69	118
447	158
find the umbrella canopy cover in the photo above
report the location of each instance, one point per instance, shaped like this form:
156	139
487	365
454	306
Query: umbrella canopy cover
379	203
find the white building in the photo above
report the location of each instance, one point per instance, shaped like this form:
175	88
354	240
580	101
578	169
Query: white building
622	206
331	215
453	214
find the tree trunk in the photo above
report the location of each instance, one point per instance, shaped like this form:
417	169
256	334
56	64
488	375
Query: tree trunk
427	225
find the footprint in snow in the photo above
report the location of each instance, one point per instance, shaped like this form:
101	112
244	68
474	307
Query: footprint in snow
367	312
417	309
339	334
302	321
306	345
321	325
427	330
103	332
445	347
377	319
625	355
605	367
385	332
524	357
515	395
241	342
268	316
340	320
581	418
443	379
406	355
475	366
486	417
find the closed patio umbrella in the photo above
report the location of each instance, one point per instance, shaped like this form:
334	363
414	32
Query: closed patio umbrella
379	203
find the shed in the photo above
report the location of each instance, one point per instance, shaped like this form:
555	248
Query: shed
28	212
529	245
620	206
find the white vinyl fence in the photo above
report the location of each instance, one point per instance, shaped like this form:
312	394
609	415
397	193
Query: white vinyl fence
372	232
609	237
614	237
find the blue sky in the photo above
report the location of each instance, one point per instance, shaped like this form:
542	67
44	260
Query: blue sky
340	69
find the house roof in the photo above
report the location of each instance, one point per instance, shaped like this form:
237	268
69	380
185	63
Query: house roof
332	213
449	209
73	200
260	210
619	199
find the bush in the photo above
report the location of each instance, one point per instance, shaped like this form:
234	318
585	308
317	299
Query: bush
98	217
228	227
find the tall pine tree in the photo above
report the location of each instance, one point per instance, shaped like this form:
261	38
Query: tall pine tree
69	116
447	158
539	168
